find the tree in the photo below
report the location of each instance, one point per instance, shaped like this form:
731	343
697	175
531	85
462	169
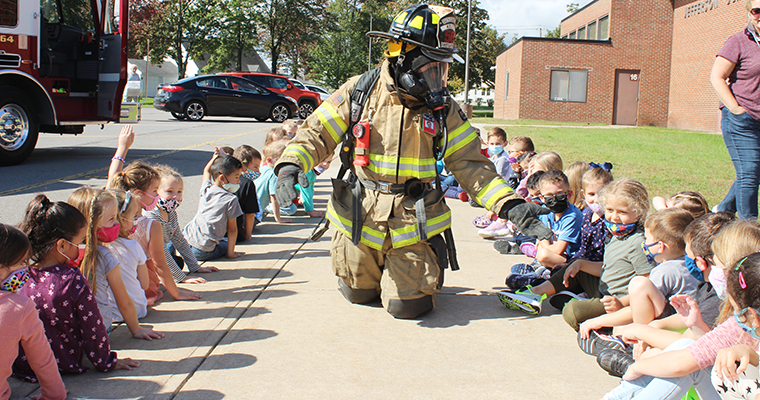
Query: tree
555	33
572	8
145	16
283	23
237	35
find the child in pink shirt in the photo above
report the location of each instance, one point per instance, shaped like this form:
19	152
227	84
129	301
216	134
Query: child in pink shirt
19	320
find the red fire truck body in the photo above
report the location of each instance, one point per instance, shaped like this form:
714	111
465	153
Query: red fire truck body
63	64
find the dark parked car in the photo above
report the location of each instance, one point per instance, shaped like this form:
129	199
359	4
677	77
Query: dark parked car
218	95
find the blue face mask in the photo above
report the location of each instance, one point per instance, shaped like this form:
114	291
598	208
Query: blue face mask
495	150
648	253
620	230
691	265
752	331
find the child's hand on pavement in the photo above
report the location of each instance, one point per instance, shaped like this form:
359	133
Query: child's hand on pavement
126	363
147	334
188	295
315	214
193	279
235	255
205	270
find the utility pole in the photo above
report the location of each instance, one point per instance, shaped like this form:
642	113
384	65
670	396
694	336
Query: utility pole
369	53
467	57
147	69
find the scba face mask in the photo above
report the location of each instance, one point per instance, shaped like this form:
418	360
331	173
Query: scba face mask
427	81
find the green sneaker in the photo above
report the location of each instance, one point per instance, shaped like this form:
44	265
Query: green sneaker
523	300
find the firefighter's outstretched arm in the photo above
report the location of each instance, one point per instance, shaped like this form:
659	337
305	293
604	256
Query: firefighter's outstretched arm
525	216
287	177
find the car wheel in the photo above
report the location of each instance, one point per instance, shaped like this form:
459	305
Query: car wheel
18	131
280	112
261	119
305	109
178	116
195	111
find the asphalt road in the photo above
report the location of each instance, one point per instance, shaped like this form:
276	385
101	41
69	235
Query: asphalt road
62	163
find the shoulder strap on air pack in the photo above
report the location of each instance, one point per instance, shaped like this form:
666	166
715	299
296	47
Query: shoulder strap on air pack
358	98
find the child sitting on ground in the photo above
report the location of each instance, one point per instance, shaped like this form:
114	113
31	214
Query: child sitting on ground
626	204
57	232
275	135
265	185
249	203
21	327
649	296
575	177
695	315
99	265
290	127
497	138
130	255
218	210
690	201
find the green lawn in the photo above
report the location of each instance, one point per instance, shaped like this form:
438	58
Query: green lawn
664	160
147	102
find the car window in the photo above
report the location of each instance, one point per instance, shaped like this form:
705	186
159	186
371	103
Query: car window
212	82
278	83
298	85
260	79
243	86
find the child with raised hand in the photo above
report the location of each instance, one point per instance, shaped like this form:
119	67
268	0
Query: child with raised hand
575	177
130	255
685	362
218	210
99	265
690	201
626	204
649	296
21	327
65	304
266	183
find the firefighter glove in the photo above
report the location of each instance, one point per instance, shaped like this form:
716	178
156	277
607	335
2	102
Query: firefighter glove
285	190
525	216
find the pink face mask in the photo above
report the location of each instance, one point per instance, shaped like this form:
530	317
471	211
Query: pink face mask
152	204
108	235
75	263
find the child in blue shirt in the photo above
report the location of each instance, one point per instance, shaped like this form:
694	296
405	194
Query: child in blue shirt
566	220
497	138
266	183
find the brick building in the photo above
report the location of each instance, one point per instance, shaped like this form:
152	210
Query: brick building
643	62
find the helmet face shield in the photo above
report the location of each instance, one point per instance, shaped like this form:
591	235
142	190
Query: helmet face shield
435	75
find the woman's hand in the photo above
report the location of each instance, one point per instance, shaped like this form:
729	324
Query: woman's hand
126	363
147	334
188	295
725	362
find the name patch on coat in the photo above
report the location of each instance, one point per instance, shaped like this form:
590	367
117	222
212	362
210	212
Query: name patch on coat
463	115
428	124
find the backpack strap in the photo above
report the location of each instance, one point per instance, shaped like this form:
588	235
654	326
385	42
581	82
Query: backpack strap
359	97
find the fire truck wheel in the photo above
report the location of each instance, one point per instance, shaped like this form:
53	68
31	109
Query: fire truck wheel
195	111
178	116
280	112
18	129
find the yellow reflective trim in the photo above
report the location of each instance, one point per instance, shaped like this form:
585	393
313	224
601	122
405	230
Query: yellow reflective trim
501	193
326	125
501	189
435	19
403	160
300	152
343	224
417	22
406	242
406	229
338	221
461	144
400	18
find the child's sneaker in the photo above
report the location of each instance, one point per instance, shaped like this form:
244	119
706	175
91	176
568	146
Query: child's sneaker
596	342
529	249
482	221
463	196
522	269
559	300
496	229
519	282
526	300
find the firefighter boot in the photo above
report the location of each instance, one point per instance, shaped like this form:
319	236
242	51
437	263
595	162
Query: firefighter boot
409	309
357	296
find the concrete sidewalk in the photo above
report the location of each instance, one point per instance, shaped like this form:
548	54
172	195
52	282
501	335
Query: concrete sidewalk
272	325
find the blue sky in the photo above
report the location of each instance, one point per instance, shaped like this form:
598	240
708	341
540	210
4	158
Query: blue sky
524	17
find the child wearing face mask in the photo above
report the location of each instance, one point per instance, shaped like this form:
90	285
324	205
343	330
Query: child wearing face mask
685	362
649	296
130	255
249	202
18	317
218	210
99	265
266	183
626	204
497	138
65	304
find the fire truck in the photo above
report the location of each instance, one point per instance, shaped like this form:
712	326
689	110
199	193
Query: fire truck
63	65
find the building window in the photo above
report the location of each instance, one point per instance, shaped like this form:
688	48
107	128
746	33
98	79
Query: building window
591	30
582	33
572	35
564	37
9	13
568	85
506	86
604	28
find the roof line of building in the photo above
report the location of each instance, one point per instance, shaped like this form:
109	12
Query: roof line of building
546	39
579	10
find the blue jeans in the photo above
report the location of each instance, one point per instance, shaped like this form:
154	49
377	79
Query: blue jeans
647	387
741	133
219	251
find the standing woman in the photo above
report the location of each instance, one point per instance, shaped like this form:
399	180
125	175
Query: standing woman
739	62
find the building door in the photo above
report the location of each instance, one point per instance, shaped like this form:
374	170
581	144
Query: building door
626	106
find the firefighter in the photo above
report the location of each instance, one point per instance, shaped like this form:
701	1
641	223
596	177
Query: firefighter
388	219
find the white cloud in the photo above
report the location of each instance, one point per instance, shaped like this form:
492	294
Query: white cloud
524	17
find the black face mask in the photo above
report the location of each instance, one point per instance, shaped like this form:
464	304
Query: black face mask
557	204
